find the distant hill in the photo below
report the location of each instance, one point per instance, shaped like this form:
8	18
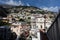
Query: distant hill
7	9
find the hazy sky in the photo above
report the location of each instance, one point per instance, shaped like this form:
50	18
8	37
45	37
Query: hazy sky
51	5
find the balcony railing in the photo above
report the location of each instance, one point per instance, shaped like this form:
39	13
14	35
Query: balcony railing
53	32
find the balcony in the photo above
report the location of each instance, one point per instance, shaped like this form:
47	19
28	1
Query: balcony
53	32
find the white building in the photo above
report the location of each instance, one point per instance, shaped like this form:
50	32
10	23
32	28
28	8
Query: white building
38	21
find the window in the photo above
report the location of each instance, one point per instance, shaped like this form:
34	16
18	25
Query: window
40	19
41	26
15	26
34	27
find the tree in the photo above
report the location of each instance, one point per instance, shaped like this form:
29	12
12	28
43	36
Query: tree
29	17
4	23
22	20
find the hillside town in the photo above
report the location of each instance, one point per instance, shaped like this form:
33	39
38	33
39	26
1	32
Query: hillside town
27	21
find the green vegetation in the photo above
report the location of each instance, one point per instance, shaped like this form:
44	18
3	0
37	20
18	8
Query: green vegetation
21	20
29	17
4	23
